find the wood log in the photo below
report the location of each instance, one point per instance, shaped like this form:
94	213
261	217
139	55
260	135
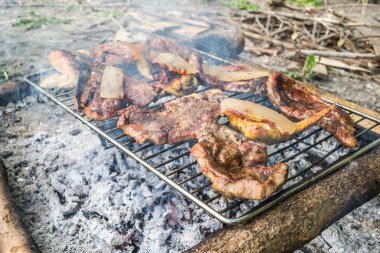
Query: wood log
13	238
303	216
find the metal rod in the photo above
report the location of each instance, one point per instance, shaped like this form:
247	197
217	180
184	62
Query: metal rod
172	159
66	99
64	94
213	198
190	178
143	147
200	188
181	168
163	151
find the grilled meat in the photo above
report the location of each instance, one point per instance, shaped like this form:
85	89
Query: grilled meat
159	45
179	81
260	123
123	53
138	92
87	95
175	121
237	167
257	86
298	103
177	85
67	66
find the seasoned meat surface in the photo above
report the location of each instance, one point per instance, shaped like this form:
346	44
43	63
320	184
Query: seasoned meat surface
175	121
136	91
297	103
236	166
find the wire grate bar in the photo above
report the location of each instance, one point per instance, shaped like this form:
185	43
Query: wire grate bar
144	147
306	149
173	159
109	121
190	178
65	93
314	164
213	198
111	130
170	148
295	142
66	99
366	130
129	142
200	188
238	203
181	168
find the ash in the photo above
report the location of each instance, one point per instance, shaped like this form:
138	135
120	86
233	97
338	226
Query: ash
77	196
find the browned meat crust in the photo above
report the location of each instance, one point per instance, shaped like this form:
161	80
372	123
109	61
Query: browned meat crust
176	121
136	91
257	86
237	167
158	45
297	103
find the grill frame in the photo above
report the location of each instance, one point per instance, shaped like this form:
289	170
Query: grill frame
222	215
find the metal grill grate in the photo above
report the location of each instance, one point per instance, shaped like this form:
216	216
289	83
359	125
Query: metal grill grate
312	156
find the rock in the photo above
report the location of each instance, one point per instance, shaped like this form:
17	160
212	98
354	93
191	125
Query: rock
6	154
74	131
10	108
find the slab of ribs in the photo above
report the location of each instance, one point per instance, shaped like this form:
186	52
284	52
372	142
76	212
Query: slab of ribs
145	72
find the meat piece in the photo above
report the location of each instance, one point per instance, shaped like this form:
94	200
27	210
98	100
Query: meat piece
256	86
298	103
92	105
175	121
67	66
174	63
129	51
180	81
159	45
87	95
237	167
177	85
138	92
121	52
260	123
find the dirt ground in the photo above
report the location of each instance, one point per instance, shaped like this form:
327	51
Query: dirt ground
30	29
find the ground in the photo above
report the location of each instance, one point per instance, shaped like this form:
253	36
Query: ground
30	29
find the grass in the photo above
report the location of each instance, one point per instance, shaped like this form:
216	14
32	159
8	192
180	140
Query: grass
241	5
293	74
8	73
306	3
307	71
35	21
311	62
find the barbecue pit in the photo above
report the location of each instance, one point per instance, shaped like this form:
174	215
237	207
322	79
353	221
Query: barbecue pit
175	163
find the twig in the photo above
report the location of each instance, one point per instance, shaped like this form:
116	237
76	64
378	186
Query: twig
339	54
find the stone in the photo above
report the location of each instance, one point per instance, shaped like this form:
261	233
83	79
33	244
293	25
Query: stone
74	131
11	92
